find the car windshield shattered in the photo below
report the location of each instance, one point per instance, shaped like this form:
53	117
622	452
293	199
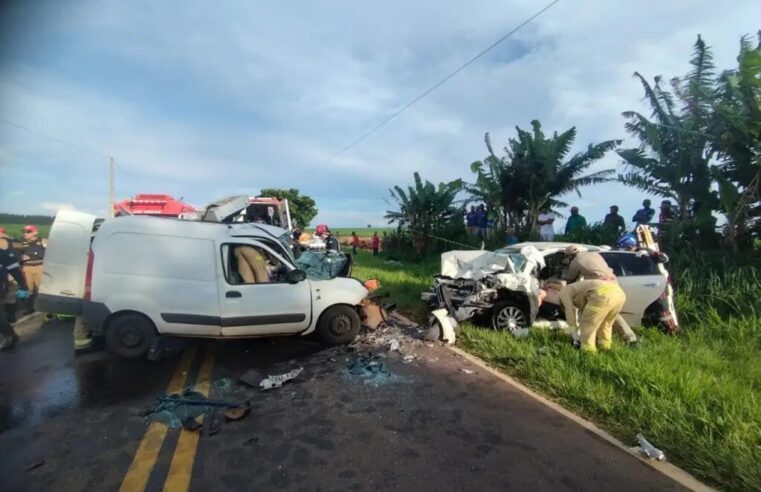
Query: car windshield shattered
319	266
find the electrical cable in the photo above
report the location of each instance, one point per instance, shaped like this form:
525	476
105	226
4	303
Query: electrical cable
432	88
55	139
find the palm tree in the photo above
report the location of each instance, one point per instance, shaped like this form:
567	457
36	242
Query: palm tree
534	172
424	209
672	160
736	127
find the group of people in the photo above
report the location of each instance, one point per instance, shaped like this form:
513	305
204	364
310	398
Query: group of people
20	278
477	221
612	220
375	242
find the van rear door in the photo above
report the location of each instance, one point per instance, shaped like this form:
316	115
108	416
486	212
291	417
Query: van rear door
65	264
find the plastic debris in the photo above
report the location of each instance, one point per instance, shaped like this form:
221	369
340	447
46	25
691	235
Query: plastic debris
467	371
408	358
224	384
393	345
35	464
238	412
649	450
277	380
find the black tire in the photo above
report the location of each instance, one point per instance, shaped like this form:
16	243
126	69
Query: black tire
339	325
130	335
433	331
509	316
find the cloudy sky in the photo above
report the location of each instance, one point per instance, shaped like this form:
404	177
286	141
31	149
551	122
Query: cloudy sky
207	99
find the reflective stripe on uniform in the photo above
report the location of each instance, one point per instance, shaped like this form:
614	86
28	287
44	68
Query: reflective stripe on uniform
12	266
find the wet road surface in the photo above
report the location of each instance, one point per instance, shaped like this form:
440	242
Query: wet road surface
75	423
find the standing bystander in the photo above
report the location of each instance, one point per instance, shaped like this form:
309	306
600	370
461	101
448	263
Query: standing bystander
376	244
545	220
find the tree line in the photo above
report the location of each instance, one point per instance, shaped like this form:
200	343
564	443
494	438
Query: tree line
25	219
700	146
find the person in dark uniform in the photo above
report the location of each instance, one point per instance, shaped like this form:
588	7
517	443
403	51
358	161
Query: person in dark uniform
9	299
9	265
32	256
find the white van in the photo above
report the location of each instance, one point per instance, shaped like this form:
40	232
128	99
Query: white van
133	279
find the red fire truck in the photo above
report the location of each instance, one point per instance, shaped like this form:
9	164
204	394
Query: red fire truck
152	204
232	209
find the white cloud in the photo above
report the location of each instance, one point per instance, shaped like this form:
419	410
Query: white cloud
55	206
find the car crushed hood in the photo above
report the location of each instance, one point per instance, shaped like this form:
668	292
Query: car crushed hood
475	265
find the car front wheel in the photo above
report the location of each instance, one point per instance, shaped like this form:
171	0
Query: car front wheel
509	316
339	325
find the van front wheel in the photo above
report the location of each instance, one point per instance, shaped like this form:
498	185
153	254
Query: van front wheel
339	324
130	335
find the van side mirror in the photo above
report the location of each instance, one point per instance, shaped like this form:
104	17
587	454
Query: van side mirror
296	276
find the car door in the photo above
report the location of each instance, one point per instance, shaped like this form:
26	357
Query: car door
66	255
640	279
257	306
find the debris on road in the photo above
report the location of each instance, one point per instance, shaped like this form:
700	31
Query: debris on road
277	380
646	448
467	371
34	465
408	358
190	409
393	345
372	371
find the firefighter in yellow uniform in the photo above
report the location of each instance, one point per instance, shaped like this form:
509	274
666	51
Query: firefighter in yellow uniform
603	297
574	296
32	255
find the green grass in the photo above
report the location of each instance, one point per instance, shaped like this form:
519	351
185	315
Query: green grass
14	230
697	396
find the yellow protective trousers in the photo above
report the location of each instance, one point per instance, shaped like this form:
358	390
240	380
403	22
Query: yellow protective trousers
603	305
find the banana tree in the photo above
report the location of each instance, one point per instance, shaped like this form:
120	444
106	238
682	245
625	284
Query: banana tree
534	172
424	209
737	139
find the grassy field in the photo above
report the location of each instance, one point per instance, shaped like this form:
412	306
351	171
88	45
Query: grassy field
697	396
14	230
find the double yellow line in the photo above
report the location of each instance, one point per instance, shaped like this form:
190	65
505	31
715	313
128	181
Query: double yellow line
180	471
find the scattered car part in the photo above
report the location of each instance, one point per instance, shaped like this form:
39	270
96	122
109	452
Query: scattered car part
649	450
277	380
446	323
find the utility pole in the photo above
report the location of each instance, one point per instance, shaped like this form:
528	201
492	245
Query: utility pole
111	197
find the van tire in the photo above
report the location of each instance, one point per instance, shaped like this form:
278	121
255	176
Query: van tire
339	325
130	335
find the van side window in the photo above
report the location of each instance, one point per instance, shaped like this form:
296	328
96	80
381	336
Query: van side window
247	264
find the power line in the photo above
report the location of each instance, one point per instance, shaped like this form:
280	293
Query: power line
55	139
439	83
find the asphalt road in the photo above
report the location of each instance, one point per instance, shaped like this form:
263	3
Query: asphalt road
75	423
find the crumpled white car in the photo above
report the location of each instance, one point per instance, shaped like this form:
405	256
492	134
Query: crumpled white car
503	286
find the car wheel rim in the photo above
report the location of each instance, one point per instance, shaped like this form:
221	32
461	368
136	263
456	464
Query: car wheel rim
340	325
511	318
131	336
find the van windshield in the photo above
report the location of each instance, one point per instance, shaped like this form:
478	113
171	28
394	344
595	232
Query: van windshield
319	266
